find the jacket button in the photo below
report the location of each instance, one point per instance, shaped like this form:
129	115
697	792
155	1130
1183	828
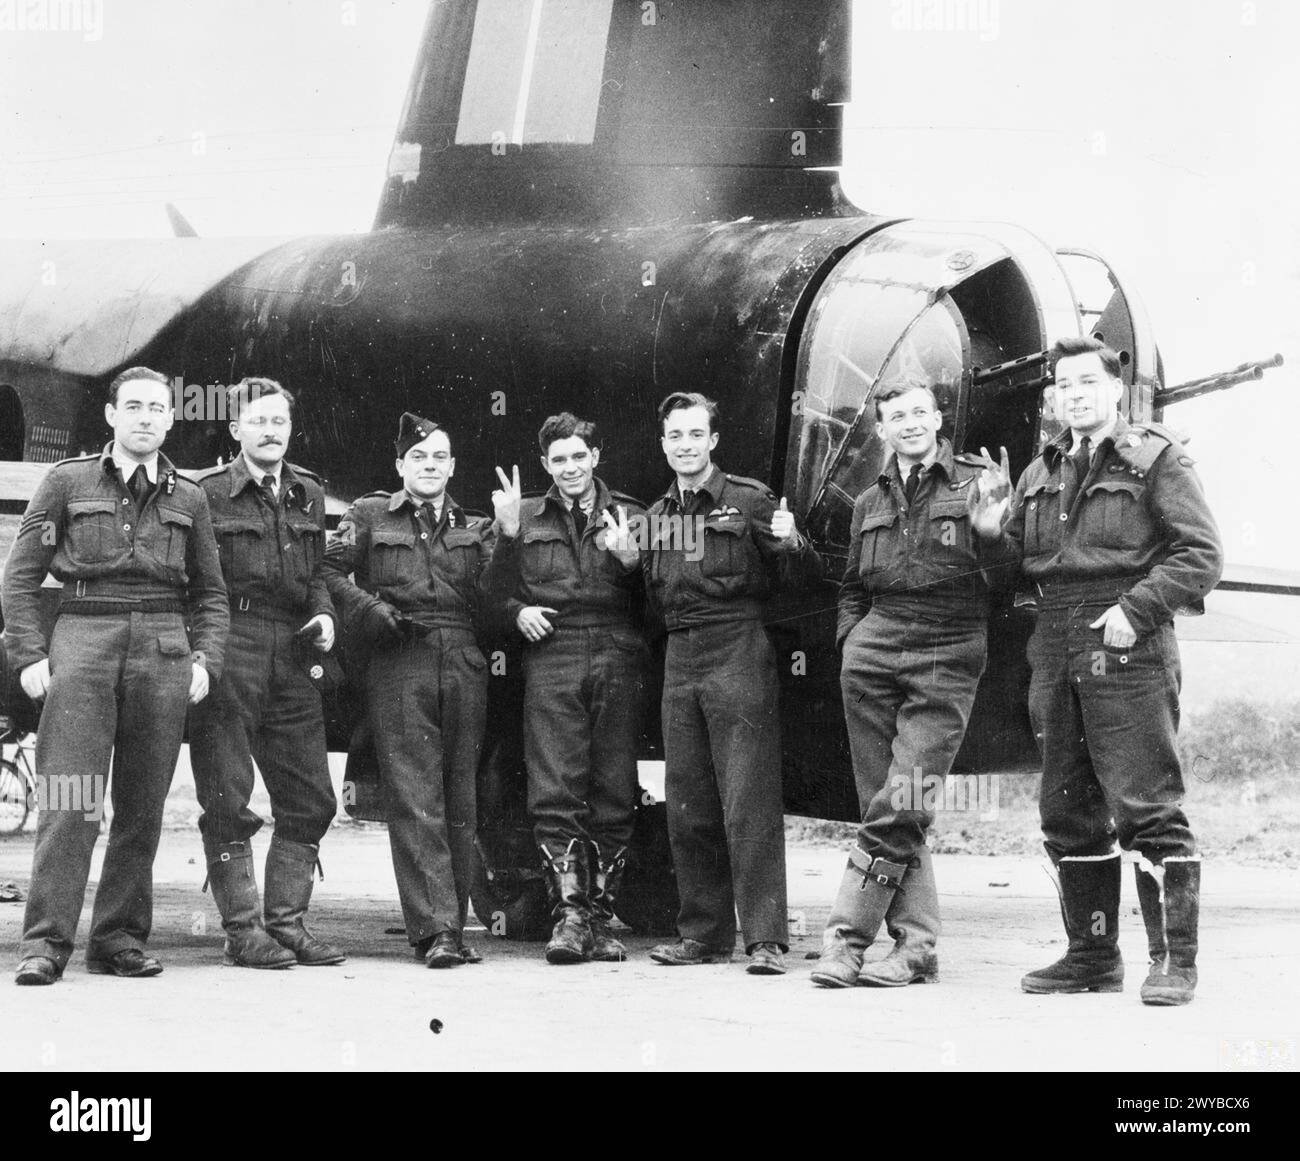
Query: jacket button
126	528
1064	516
1060	487
424	536
125	500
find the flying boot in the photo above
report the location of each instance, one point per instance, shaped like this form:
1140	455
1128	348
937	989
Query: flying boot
913	922
568	876
289	867
865	893
1089	887
234	887
1170	895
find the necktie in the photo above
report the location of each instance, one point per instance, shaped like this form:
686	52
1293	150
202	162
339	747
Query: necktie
912	483
579	519
268	485
140	484
1081	461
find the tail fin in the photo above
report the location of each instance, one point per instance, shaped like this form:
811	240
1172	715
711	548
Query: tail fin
621	112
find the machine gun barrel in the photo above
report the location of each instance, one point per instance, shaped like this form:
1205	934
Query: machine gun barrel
1181	392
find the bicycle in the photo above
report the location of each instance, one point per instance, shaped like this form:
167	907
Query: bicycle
17	776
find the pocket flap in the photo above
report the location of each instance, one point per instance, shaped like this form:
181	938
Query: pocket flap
303	525
173	643
728	527
1044	486
947	509
175	516
542	533
1129	486
392	536
86	507
460	538
232	527
872	520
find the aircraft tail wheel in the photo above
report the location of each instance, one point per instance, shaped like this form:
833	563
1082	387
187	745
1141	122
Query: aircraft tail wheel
508	891
648	900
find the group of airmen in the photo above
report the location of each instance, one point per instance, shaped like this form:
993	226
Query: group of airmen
220	598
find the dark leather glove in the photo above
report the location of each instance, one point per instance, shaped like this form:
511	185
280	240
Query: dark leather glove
383	626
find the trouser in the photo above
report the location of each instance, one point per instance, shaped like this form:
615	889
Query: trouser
263	708
119	687
722	748
908	688
1108	723
583	702
427	703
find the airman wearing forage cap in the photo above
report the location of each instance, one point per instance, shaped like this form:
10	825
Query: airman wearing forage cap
406	571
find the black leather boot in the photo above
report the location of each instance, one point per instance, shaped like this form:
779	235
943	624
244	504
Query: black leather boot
607	880
234	887
289	867
865	893
1170	895
1090	910
913	922
568	876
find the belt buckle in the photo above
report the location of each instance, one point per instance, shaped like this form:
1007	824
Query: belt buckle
244	604
81	588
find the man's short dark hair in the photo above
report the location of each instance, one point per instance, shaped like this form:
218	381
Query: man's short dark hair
130	375
1087	345
566	425
250	389
681	400
894	390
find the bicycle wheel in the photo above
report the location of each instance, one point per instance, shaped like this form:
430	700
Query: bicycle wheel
14	802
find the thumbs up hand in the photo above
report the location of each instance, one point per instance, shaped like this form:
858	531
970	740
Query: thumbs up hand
783	522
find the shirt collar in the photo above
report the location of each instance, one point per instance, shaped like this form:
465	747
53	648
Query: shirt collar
447	504
712	487
151	466
942	462
1063	443
600	501
243	474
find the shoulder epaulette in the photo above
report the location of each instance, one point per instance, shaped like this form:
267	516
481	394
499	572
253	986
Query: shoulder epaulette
624	498
78	459
1142	444
378	494
746	482
181	478
299	470
206	473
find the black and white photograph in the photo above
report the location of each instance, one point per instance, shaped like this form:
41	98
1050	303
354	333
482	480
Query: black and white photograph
635	536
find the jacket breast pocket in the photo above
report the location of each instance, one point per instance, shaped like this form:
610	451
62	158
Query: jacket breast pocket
240	545
1042	518
176	528
95	530
725	553
877	532
545	553
463	545
307	543
1114	514
392	556
950	536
